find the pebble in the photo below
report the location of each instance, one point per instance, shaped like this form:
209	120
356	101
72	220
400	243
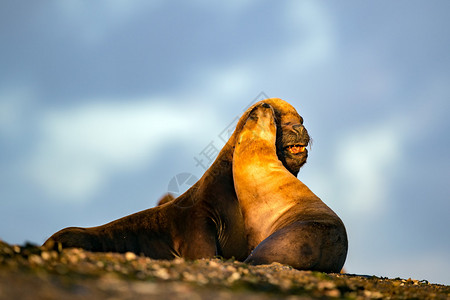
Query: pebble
201	279
73	259
214	264
188	276
373	294
45	255
162	273
326	285
35	260
235	276
130	256
334	293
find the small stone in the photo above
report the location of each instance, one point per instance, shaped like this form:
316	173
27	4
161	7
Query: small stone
188	276
373	294
326	285
6	250
201	279
100	264
230	269
162	273
117	267
335	293
213	264
130	256
45	255
73	259
235	276
35	260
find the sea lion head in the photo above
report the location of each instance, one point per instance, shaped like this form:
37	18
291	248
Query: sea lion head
292	136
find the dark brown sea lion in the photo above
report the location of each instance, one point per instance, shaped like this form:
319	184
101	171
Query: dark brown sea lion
285	222
203	222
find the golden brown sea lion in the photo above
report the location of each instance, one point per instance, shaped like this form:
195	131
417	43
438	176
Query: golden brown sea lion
203	222
284	221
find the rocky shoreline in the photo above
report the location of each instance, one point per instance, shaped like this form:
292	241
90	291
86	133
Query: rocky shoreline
28	272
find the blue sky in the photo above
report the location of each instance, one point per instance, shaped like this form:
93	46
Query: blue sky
102	104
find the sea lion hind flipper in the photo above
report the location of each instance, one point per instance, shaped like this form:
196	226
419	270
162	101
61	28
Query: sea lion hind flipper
73	237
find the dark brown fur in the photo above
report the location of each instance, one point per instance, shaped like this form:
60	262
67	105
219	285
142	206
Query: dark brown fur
203	222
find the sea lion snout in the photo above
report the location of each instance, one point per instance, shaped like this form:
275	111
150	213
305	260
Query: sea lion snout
262	110
296	133
263	114
292	140
260	124
302	134
299	128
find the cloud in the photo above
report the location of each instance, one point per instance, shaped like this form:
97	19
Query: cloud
96	21
13	108
356	181
364	161
311	34
225	7
80	148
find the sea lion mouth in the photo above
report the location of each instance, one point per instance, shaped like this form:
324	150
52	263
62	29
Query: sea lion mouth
295	148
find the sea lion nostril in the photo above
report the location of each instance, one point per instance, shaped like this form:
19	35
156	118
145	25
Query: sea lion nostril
298	127
265	105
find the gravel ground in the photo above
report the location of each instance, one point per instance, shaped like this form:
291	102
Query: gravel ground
28	272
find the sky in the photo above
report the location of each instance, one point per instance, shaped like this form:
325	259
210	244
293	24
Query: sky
105	106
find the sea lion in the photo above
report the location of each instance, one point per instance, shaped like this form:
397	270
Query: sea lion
205	221
284	220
